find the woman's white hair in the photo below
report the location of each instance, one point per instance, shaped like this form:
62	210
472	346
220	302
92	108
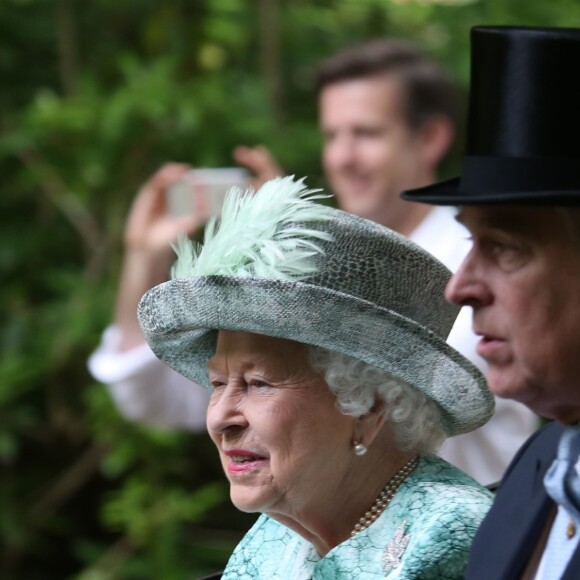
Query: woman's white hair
415	419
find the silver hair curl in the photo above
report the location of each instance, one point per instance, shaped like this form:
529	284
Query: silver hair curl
357	385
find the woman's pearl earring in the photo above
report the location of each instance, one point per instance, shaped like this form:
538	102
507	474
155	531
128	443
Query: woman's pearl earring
359	449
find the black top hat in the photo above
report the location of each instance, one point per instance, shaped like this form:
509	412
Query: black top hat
523	133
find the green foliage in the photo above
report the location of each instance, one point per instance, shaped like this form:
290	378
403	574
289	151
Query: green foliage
95	96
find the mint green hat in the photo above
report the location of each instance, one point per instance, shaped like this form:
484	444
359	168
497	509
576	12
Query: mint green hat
283	265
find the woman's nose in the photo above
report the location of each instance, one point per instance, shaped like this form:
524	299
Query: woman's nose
226	409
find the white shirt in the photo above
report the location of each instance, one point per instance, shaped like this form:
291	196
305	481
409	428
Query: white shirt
559	524
146	390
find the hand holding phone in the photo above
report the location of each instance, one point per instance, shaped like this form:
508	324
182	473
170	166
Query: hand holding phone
201	192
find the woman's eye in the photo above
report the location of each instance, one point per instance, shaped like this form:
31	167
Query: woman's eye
258	384
217	383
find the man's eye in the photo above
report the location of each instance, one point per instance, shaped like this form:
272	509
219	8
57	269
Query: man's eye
217	383
500	247
370	132
509	256
506	248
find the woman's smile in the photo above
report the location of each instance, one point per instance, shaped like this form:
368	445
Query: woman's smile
240	461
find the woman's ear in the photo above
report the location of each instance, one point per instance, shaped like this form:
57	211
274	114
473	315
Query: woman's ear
367	426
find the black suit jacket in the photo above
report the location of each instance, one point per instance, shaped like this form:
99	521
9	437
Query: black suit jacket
508	535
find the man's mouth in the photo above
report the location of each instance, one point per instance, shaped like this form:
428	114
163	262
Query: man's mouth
357	185
492	348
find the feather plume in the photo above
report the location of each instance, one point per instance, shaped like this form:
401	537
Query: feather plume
262	234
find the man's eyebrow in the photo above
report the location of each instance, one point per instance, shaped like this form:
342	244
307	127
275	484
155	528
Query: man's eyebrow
505	221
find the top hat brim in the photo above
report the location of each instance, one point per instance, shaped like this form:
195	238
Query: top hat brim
449	192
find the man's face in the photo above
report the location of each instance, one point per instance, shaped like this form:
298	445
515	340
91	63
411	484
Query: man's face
522	279
370	154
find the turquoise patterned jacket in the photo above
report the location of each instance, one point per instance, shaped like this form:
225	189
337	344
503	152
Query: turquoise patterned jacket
425	533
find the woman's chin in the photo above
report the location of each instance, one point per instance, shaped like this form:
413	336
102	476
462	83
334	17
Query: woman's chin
248	500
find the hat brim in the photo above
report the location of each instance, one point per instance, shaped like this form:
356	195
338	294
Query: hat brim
181	318
448	192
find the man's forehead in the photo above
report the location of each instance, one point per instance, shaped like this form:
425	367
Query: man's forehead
510	218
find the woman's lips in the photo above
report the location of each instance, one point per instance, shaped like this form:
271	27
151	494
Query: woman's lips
243	461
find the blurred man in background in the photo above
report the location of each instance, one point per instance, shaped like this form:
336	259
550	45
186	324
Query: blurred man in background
388	116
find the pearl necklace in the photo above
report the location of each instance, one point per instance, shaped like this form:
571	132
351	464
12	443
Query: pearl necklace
385	497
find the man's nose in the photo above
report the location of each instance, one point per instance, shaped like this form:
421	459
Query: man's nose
340	151
468	286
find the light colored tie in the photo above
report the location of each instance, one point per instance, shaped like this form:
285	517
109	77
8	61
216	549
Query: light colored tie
563	486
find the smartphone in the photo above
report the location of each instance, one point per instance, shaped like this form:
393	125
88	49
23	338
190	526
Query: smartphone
201	192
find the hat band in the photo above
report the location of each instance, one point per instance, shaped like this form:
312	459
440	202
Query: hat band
488	174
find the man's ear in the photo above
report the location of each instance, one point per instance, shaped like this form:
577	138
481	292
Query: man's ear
436	136
367	426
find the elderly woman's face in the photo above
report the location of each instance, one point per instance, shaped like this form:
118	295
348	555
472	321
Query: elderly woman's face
282	441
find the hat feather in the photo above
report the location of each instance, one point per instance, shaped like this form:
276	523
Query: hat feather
262	234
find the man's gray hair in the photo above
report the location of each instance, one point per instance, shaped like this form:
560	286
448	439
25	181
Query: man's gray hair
414	418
